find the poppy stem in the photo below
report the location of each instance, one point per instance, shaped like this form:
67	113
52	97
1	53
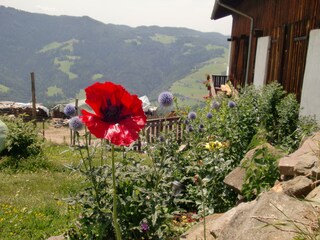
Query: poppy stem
115	214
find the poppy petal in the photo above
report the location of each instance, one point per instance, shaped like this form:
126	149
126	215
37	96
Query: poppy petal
118	116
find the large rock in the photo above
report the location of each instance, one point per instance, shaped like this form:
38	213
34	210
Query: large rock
235	178
305	164
314	195
298	187
196	231
268	217
303	160
271	149
61	237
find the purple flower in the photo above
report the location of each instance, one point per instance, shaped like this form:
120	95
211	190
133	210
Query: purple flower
76	124
215	105
201	127
209	115
162	138
69	110
231	104
144	227
192	115
190	128
165	99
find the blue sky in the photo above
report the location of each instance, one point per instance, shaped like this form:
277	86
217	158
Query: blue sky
193	14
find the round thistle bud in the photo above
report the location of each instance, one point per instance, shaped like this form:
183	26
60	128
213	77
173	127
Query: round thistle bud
190	128
165	99
215	105
69	110
162	138
192	115
76	124
209	115
231	104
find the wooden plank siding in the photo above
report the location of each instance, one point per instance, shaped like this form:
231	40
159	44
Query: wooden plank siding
289	23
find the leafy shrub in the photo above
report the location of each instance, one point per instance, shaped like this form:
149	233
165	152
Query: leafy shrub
254	116
305	126
279	114
22	140
261	172
270	97
3	135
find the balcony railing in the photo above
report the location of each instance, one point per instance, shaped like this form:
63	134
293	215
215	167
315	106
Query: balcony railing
219	80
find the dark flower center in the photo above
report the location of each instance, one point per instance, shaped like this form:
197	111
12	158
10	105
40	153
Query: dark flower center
111	113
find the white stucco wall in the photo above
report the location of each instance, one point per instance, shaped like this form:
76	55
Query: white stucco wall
261	64
310	96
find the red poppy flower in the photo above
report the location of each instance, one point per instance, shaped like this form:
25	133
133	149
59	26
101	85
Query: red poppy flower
118	116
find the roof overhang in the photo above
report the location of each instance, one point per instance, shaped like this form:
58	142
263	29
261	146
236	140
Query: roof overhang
220	12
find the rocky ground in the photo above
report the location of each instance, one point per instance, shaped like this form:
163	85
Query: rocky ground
290	208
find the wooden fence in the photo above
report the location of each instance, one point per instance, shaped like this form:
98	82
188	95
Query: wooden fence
155	127
152	131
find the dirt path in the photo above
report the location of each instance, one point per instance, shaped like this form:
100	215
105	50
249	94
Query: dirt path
58	133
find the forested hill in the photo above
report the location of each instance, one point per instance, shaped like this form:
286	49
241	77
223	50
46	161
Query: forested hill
69	53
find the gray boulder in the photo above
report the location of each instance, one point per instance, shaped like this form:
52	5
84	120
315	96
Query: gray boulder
270	216
302	161
298	187
235	178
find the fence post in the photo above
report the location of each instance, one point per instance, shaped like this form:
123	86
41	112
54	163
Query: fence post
33	92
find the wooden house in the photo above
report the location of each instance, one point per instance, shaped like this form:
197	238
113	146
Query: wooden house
275	40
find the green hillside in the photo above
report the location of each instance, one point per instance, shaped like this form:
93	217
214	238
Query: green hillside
190	90
69	53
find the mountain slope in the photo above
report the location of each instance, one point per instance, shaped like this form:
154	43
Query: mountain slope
69	53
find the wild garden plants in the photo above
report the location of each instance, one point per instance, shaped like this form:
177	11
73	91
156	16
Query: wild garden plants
23	146
184	174
150	195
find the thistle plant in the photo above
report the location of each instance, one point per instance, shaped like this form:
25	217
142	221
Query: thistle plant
70	110
165	99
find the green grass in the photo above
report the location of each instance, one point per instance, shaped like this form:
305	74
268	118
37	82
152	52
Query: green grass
51	46
164	39
31	202
4	89
133	41
213	47
97	76
66	46
64	66
190	90
54	91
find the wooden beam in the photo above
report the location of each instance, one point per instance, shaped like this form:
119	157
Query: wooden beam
33	91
